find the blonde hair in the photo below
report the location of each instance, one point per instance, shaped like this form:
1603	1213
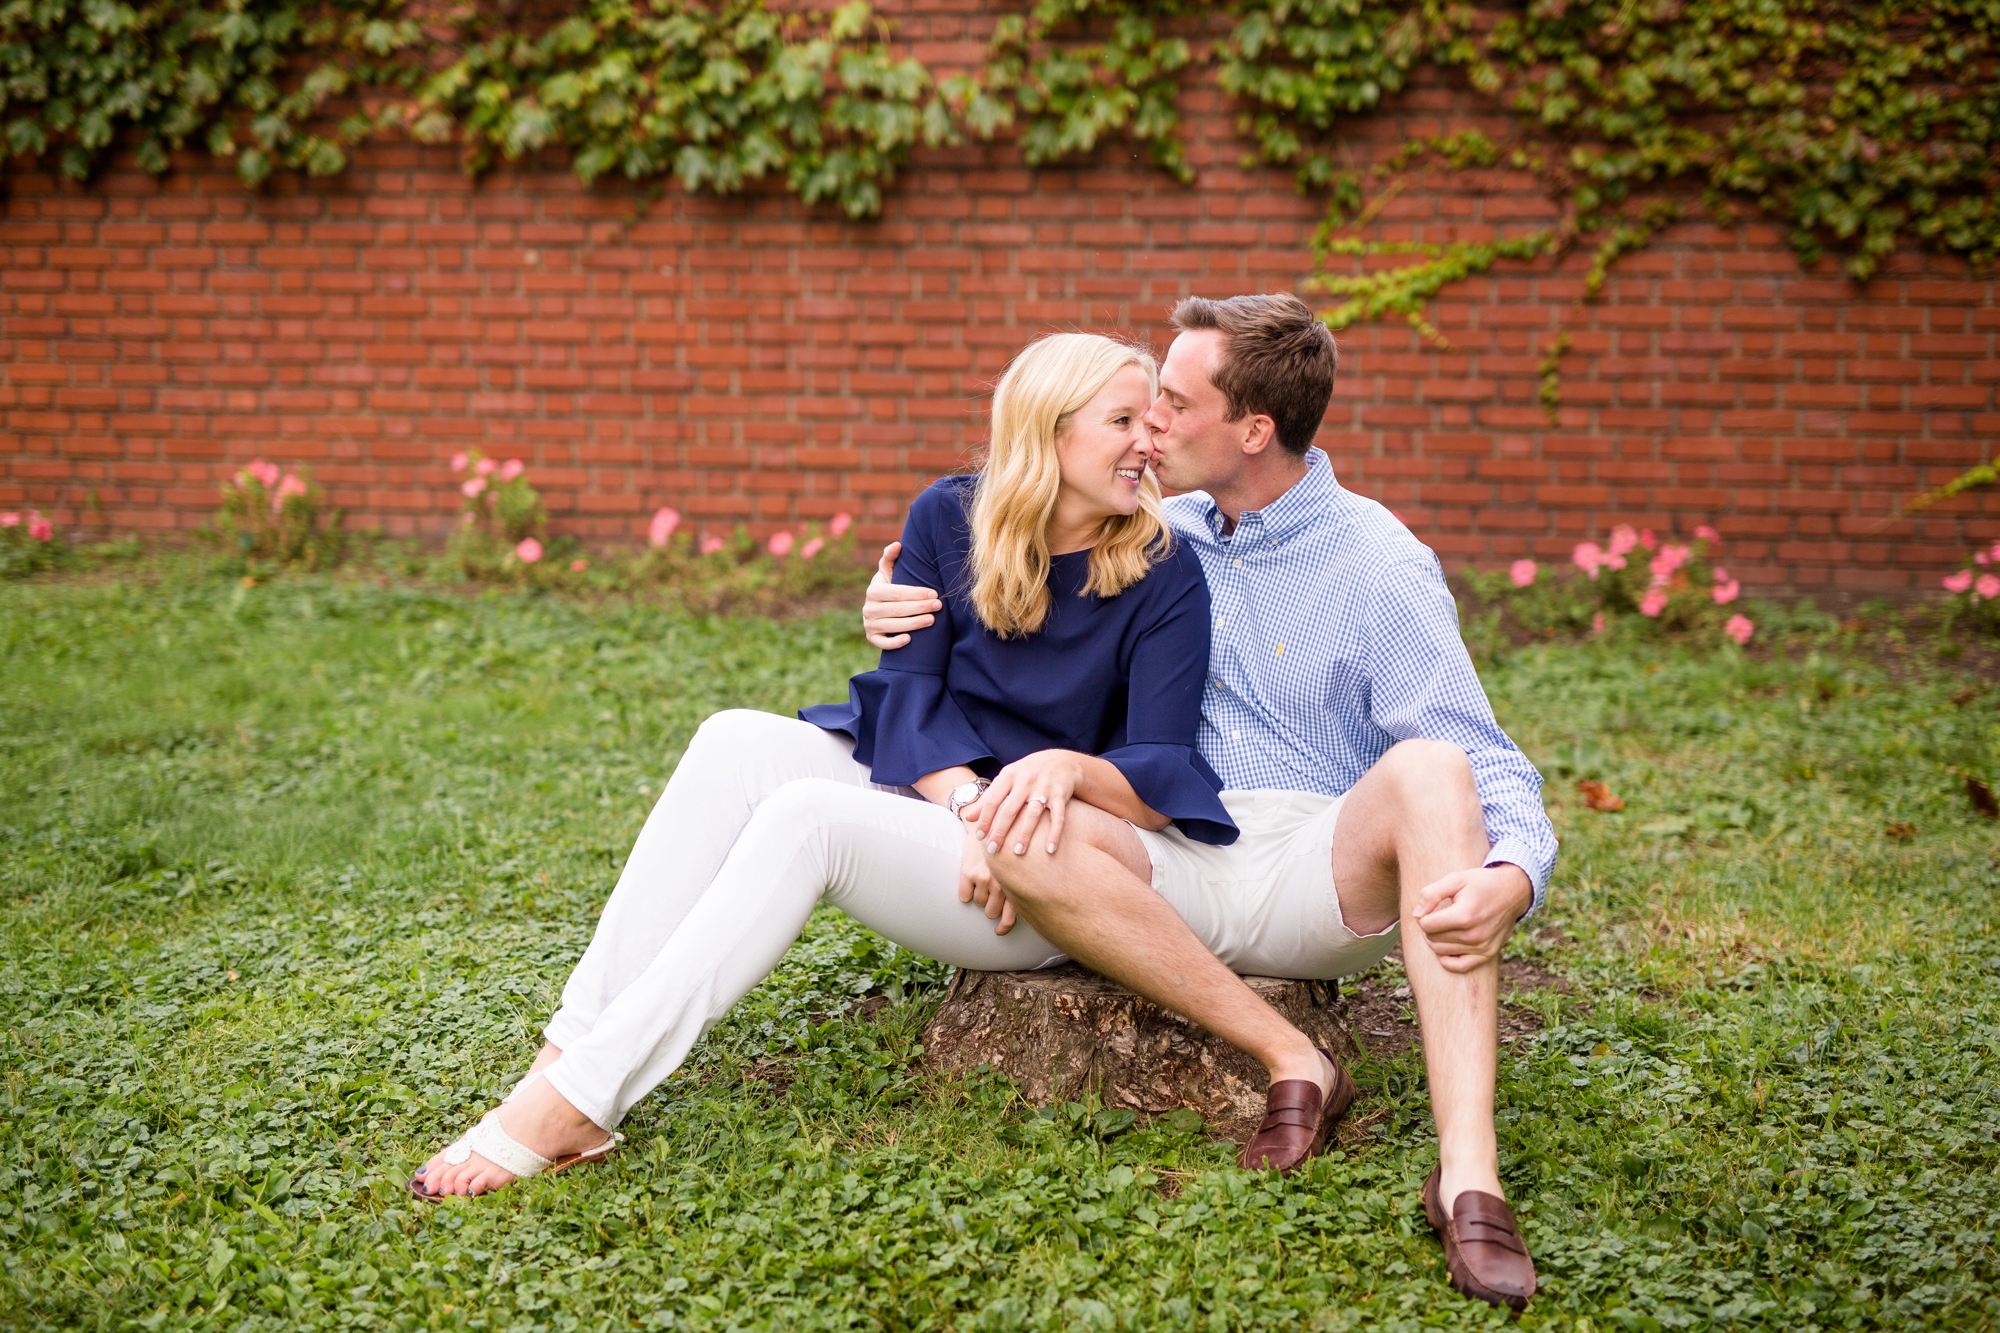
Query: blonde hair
1015	496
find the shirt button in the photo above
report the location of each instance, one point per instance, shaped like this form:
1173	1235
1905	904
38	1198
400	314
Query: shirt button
1235	735
1238	564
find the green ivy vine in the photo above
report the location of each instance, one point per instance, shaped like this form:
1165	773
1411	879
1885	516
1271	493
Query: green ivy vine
1864	125
719	96
248	81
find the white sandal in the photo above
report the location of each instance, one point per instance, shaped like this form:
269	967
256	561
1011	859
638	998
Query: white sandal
497	1146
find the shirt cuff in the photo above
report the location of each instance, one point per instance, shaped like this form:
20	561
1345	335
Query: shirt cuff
1514	852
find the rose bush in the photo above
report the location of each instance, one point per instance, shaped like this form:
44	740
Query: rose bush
501	520
27	543
274	517
1633	578
1975	591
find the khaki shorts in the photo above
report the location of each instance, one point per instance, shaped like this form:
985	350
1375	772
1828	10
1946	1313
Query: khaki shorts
1265	904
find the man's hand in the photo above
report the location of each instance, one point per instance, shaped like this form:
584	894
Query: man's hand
892	610
977	885
1468	915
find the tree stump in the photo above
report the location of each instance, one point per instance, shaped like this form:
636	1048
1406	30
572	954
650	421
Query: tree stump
1064	1031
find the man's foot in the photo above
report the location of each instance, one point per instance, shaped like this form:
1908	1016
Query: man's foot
1300	1114
537	1118
1483	1247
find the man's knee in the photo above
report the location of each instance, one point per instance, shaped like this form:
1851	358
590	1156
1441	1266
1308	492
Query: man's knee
1430	773
1037	877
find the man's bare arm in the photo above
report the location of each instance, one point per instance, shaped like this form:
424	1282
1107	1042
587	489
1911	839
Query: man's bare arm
892	610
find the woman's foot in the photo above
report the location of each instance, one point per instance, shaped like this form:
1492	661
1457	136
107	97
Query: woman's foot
538	1118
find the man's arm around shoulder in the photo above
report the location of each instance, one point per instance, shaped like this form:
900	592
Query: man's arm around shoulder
891	610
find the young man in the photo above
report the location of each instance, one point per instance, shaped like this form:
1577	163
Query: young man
1376	794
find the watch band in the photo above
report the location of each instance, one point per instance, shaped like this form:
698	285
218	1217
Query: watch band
958	799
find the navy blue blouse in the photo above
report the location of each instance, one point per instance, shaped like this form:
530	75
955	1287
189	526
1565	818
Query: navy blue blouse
959	694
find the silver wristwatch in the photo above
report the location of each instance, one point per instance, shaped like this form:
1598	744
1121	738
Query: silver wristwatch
965	793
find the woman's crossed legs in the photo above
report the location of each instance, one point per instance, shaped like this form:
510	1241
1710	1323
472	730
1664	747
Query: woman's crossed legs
741	847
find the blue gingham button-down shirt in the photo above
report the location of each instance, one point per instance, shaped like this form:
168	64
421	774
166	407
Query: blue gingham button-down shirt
1335	637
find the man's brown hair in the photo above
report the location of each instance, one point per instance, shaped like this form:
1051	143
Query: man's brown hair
1277	360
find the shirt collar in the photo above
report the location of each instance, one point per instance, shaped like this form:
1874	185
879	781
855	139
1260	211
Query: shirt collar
1306	501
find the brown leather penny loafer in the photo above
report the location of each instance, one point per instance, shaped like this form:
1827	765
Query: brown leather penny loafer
1483	1249
1296	1124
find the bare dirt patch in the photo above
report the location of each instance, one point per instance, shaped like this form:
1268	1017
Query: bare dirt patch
1382	1017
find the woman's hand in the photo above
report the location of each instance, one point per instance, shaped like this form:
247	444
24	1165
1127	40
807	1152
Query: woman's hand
1010	812
977	885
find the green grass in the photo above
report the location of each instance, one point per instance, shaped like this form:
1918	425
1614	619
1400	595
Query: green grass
293	873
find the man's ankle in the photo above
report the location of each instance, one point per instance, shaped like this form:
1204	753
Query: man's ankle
1472	1171
1301	1062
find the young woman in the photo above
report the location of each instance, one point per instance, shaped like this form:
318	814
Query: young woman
1067	663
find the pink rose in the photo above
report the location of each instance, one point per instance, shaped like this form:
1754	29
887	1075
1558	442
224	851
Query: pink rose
265	473
1522	572
1739	628
1995	552
662	527
1597	623
472	486
1587	557
578	566
529	551
1706	533
1654	602
1725	592
843	521
511	469
710	545
44	531
1981	558
290	486
1647	539
1623	539
780	543
811	549
1958	582
1988	586
10	520
458	461
484	467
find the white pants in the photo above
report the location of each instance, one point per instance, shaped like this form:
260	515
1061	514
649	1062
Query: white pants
764	818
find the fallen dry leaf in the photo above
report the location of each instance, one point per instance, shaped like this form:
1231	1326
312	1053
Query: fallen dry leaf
1982	798
1901	832
1600	797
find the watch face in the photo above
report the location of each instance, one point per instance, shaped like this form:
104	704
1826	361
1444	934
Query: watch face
965	793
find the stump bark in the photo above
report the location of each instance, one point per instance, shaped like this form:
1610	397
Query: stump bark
1063	1032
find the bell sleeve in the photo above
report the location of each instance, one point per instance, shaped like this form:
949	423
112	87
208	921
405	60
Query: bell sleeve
904	722
1169	669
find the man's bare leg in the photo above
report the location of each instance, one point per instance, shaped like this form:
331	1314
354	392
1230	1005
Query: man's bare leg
1413	819
1094	900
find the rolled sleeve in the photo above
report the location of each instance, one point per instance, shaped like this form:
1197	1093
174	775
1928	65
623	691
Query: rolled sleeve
1424	685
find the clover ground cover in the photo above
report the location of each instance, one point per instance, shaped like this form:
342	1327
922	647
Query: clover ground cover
292	874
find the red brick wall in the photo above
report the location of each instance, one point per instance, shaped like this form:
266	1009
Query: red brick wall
753	360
